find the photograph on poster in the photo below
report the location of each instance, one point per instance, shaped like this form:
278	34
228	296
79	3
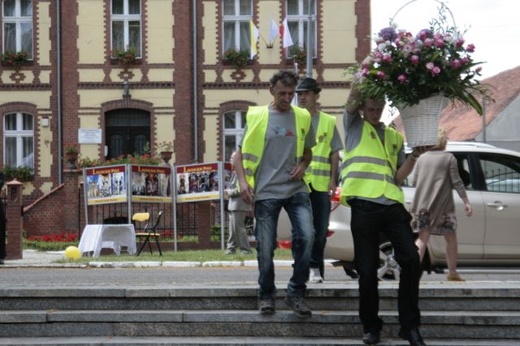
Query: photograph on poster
200	182
105	185
151	184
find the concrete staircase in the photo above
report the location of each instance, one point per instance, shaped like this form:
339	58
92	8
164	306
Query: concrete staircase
478	313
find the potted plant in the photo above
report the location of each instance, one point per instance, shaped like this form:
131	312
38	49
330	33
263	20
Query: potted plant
14	58
298	54
71	155
166	150
409	70
125	57
237	58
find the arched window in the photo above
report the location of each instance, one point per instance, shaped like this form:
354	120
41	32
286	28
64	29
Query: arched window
19	140
234	123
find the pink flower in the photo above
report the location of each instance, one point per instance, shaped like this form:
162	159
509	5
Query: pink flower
380	75
430	66
455	64
470	48
414	59
436	71
402	78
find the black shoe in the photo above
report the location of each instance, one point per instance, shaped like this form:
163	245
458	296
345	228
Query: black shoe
413	336
299	306
371	338
266	306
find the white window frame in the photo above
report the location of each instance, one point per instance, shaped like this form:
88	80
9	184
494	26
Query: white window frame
126	18
18	20
237	131
297	23
236	19
19	133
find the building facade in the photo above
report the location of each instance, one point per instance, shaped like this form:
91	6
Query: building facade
119	77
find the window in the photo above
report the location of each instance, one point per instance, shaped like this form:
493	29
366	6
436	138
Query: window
18	140
234	123
126	25
237	14
502	173
18	27
127	132
299	12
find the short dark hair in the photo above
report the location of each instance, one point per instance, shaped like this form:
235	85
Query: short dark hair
287	77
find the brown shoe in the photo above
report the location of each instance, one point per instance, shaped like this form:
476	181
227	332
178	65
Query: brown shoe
455	277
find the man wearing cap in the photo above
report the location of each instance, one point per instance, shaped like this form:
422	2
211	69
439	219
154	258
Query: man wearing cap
321	175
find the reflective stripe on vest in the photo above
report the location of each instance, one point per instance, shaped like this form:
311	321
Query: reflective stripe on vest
318	172
253	144
369	169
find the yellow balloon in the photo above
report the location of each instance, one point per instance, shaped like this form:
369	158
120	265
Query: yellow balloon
72	253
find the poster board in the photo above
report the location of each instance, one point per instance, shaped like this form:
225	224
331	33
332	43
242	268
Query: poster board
201	182
107	184
151	184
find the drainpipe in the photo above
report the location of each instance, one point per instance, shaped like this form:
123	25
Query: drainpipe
195	81
310	43
58	90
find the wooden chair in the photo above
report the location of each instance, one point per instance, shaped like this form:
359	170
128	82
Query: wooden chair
148	232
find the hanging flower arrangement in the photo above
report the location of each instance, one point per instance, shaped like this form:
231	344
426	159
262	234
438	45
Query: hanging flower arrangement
407	68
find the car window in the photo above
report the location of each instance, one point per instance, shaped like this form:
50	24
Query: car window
501	172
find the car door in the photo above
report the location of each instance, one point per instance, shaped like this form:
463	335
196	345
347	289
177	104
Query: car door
501	197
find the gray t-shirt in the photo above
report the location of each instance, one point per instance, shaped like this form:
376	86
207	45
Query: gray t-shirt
353	126
272	179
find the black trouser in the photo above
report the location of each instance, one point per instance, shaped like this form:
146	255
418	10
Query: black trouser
368	219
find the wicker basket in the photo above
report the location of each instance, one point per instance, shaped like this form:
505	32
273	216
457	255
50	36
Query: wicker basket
421	122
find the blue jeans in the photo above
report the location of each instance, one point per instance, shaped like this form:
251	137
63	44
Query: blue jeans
320	202
368	219
267	211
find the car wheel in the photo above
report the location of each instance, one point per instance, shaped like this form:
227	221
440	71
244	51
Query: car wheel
388	267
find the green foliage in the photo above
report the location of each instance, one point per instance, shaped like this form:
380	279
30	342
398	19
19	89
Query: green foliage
299	54
21	173
125	57
237	58
14	58
145	159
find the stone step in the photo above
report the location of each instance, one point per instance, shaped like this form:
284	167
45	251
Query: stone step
449	313
148	323
274	341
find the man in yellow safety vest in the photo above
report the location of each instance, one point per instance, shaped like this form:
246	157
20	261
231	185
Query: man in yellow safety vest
270	164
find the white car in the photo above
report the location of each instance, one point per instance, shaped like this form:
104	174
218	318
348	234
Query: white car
490	237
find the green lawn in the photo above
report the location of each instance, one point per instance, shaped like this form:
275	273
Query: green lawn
184	255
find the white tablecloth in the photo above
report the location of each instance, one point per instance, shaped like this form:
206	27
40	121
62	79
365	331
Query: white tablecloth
96	237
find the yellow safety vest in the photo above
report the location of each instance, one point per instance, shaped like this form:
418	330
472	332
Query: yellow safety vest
318	172
369	169
254	139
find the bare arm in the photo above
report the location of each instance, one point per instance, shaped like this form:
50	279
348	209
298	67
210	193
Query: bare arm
334	163
409	164
245	189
